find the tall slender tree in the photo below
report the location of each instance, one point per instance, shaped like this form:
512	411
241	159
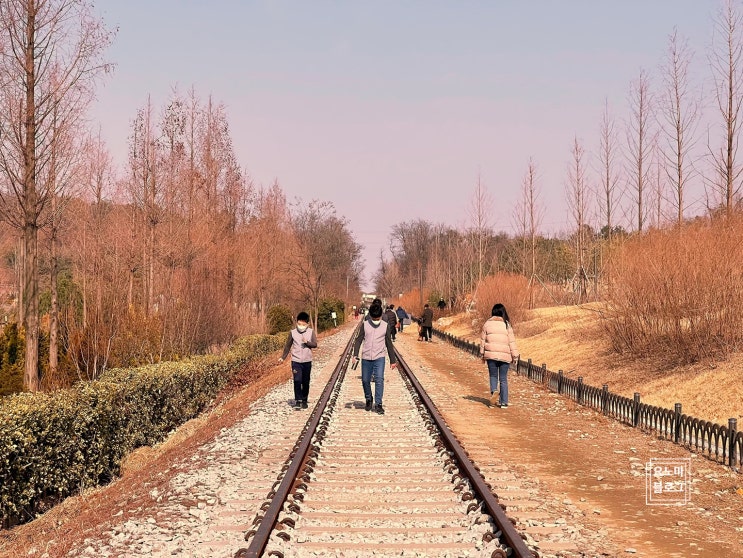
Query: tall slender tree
577	191
53	51
639	143
480	211
679	110
609	172
726	63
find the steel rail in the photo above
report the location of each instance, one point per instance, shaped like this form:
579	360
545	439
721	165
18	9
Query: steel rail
260	539
509	533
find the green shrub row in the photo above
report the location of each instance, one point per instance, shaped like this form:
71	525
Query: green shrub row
53	445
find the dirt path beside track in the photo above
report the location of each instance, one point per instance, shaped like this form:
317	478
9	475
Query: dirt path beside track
592	464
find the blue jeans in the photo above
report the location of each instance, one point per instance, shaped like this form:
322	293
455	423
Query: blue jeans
375	368
499	372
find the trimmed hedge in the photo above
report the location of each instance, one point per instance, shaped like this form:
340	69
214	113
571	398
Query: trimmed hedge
53	445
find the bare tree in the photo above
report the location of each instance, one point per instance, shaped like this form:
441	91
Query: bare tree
63	166
527	217
533	211
726	62
520	220
269	241
680	113
325	253
53	52
146	194
577	191
89	340
639	142
480	210
410	245
608	152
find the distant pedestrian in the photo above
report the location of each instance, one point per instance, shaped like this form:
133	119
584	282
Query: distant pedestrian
402	315
441	305
390	317
375	335
427	323
498	350
300	343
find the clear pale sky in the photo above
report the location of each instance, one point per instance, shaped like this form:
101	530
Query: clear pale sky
390	109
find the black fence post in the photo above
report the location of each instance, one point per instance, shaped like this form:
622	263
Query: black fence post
528	369
559	381
636	413
518	365
677	421
604	398
732	433
544	373
579	395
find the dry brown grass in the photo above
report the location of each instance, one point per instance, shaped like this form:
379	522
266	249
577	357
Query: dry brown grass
411	301
571	338
510	290
678	294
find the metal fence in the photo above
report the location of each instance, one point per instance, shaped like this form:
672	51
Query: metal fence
723	444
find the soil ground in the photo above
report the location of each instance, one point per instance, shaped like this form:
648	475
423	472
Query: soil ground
570	338
592	461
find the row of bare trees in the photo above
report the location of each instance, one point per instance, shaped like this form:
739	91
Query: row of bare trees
51	55
172	254
662	153
645	180
639	177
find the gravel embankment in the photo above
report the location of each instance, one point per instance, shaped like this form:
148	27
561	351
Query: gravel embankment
208	506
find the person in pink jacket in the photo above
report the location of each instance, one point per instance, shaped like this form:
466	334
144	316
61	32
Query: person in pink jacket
498	350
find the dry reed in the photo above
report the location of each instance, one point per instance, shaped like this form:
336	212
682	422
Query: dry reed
678	293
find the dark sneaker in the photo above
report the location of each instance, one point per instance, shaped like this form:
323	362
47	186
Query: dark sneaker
368	405
379	409
504	405
297	405
304	405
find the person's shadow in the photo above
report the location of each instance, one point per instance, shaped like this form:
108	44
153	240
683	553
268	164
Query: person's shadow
476	399
355	405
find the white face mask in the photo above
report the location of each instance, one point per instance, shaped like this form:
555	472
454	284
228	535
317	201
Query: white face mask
301	328
376	322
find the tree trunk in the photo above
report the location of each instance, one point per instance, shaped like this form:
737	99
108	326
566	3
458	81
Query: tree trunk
20	266
31	308
130	291
85	278
54	310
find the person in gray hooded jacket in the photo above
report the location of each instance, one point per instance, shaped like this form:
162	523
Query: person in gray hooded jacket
375	335
300	342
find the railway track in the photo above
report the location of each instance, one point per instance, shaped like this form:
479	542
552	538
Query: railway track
361	484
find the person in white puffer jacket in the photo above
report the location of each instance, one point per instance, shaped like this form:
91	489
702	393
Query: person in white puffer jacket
498	349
